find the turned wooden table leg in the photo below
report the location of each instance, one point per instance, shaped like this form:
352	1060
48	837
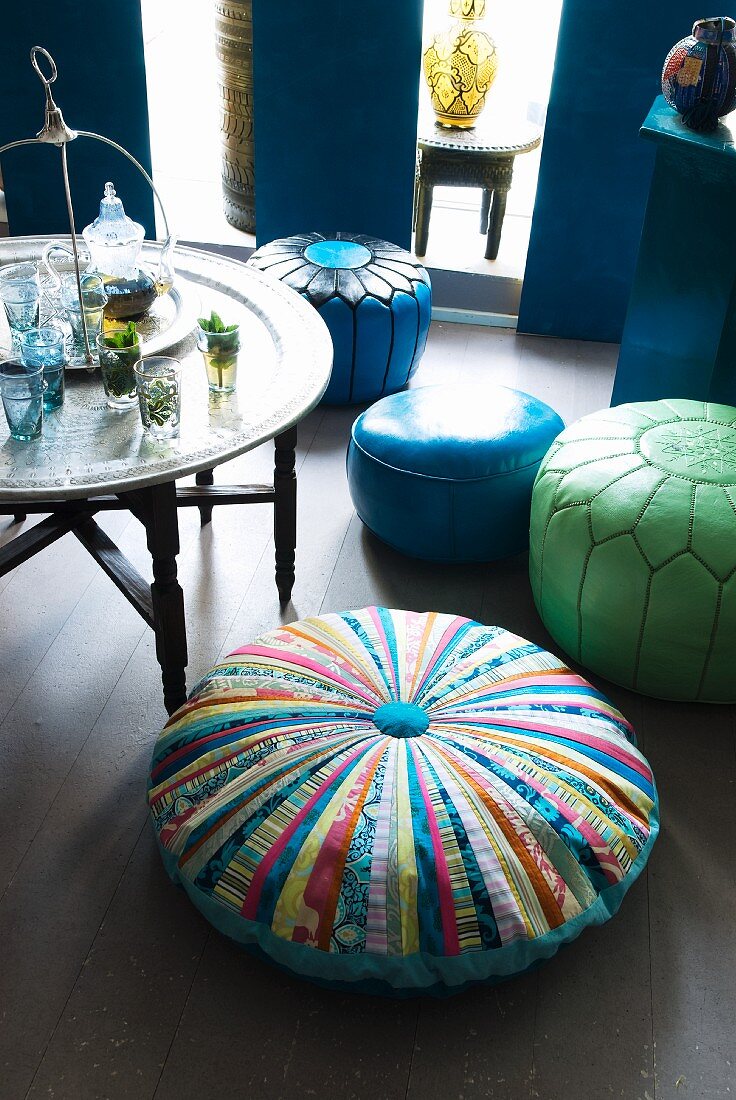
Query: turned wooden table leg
495	225
424	212
205	477
162	535
284	511
485	206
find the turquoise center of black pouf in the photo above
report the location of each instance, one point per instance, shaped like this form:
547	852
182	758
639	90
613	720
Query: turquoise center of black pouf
401	720
337	254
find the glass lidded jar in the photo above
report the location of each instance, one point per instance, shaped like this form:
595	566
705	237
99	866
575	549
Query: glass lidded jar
114	241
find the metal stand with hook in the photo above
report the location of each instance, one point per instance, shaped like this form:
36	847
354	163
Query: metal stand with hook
56	132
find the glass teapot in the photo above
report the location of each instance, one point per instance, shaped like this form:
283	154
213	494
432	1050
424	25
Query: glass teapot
114	243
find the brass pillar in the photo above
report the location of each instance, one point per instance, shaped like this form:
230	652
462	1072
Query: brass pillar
234	46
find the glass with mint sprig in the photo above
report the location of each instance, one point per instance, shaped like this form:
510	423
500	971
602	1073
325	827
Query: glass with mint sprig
219	344
119	350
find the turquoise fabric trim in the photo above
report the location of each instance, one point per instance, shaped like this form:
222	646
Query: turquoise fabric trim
421	973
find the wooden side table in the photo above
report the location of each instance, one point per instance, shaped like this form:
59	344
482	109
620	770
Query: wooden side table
481	157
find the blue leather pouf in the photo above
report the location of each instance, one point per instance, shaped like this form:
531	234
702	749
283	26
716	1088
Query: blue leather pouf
375	299
446	472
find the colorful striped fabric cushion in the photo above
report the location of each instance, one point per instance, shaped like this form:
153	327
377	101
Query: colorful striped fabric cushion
401	802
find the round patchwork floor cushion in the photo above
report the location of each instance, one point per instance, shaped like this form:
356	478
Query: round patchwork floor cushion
446	472
399	802
633	547
375	299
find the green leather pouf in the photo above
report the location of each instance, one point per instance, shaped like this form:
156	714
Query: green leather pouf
633	547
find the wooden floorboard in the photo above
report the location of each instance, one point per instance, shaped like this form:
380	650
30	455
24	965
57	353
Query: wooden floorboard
692	890
35	604
112	986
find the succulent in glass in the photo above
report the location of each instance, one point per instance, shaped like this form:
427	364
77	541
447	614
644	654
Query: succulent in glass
219	344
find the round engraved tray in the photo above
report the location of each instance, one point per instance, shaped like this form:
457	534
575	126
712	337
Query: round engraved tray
283	370
170	319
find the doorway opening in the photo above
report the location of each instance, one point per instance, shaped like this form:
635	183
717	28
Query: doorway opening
184	120
526	39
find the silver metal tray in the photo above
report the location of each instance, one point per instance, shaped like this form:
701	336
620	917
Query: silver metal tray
169	321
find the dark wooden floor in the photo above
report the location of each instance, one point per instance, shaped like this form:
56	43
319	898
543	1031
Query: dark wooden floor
111	985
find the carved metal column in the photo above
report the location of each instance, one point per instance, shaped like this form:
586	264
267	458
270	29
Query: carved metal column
234	45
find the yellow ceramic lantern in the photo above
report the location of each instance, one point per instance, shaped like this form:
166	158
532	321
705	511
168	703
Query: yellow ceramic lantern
460	66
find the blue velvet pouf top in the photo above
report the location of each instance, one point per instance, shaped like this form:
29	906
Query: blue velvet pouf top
375	299
446	472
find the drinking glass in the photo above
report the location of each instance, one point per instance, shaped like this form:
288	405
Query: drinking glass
220	352
22	395
158	382
45	348
117	367
94	300
20	292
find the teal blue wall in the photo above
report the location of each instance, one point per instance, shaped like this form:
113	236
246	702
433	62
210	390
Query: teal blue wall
336	91
98	48
595	168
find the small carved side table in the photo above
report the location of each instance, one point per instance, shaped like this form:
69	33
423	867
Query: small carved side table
481	157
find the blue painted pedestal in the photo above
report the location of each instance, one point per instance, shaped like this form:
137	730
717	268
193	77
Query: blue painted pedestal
680	334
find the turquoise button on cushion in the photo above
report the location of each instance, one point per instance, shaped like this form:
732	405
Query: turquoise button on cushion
375	299
401	720
446	472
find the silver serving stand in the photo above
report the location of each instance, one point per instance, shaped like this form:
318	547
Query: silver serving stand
56	132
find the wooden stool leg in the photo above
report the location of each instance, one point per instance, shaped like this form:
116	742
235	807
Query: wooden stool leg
485	207
205	477
424	211
495	224
162	536
284	512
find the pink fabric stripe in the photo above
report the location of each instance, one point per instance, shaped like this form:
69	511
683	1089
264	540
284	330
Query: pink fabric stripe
281	657
252	898
452	629
376	933
609	748
388	662
306	748
455	708
505	906
584	828
281	731
320	881
444	886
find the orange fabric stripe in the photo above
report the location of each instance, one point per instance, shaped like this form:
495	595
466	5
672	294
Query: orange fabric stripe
226	817
547	900
615	794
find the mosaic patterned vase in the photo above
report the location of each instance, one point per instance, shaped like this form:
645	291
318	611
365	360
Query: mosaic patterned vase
460	66
699	74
